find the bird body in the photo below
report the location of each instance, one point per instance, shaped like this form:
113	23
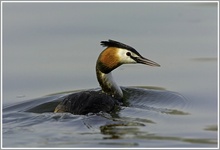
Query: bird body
113	56
85	102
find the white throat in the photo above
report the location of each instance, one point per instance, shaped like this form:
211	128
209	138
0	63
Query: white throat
108	85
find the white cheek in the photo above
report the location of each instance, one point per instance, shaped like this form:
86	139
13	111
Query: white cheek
124	58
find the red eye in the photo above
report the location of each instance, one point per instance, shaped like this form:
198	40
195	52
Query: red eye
128	54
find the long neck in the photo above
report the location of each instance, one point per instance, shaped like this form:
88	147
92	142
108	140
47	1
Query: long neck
108	85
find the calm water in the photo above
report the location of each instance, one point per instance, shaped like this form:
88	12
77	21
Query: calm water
50	50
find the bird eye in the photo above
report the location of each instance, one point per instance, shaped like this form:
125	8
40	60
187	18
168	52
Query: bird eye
128	54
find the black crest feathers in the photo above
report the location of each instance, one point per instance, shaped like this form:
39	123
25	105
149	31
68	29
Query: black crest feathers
112	43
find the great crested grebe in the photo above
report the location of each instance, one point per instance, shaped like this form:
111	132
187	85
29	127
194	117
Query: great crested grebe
111	94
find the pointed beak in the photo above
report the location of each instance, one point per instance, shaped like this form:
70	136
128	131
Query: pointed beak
145	61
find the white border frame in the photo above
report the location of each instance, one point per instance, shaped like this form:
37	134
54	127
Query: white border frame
106	2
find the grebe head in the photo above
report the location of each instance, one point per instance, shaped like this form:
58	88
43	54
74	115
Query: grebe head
117	54
112	57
